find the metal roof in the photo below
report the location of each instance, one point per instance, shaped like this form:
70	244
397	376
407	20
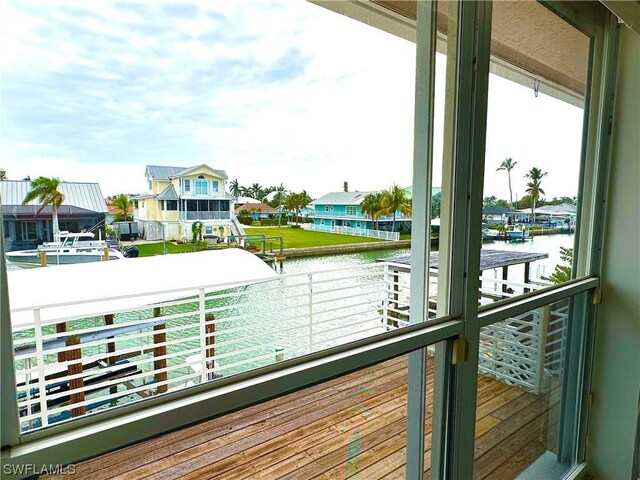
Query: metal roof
160	172
166	173
168	193
497	210
341	198
86	196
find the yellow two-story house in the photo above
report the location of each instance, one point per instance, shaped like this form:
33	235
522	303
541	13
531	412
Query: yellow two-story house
180	196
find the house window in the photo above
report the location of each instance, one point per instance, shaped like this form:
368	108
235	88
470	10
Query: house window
201	186
208	230
214	186
328	208
187	185
351	211
172	205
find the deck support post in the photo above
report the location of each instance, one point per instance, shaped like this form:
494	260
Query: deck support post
527	267
542	348
505	271
160	351
111	346
74	369
43	258
210	329
61	328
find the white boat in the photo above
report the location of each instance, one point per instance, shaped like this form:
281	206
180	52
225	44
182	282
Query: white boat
489	234
69	248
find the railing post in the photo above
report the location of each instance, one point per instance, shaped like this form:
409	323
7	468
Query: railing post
40	359
203	333
310	276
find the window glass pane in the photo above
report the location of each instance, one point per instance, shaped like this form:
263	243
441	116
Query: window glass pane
535	120
351	427
526	413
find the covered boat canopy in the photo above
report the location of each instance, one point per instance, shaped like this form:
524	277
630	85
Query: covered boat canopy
84	290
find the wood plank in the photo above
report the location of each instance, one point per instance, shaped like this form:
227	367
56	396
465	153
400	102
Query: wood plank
352	426
264	442
119	459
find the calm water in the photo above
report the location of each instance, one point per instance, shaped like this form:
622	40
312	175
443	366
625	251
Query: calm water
549	244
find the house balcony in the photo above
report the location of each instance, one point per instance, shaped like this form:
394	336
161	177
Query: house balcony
193	216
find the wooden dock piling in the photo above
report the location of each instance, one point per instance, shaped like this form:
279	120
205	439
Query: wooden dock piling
74	369
160	351
210	341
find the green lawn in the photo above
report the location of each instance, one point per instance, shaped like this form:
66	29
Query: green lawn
150	249
297	237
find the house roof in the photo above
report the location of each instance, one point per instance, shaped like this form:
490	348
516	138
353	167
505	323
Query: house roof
563	209
256	207
166	173
188	170
341	198
168	193
497	210
245	200
82	195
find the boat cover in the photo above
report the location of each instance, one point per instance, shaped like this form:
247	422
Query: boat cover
65	292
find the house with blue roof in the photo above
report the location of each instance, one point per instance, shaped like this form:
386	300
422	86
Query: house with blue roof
180	196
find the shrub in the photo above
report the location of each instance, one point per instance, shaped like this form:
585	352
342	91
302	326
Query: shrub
295	226
272	222
245	220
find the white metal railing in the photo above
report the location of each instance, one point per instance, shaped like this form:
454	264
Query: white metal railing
81	365
117	357
358	232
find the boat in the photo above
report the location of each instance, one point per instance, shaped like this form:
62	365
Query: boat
488	234
517	233
68	248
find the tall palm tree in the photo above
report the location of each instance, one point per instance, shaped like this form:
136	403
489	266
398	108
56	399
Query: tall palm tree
394	200
122	203
234	188
533	187
45	189
372	205
508	164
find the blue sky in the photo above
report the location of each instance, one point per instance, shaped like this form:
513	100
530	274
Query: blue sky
270	91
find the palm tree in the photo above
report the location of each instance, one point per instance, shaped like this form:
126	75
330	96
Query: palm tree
3	174
533	187
122	203
234	188
508	164
296	202
372	205
393	200
45	189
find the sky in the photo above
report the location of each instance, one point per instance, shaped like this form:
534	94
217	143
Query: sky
271	91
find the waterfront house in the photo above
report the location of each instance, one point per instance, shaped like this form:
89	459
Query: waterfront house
26	226
257	210
342	209
180	196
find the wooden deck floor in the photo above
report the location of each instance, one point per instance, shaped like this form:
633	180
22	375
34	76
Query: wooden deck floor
354	426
